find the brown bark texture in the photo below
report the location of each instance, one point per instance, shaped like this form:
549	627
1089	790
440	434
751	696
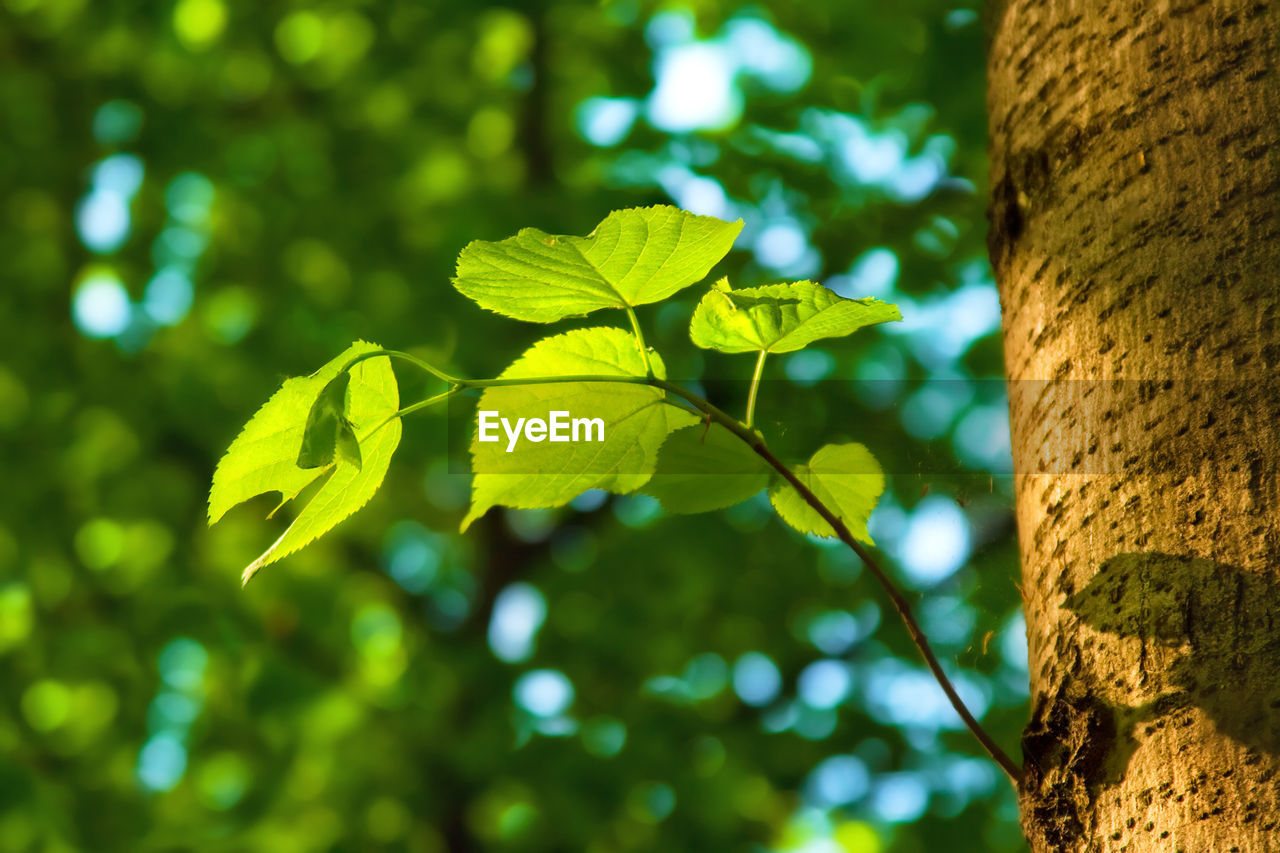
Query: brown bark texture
1135	236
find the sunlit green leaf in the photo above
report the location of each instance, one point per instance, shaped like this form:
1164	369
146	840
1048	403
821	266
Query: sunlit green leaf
635	419
633	257
263	457
780	317
845	477
702	469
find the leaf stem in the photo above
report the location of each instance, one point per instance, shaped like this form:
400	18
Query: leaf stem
644	350
414	360
410	409
755	388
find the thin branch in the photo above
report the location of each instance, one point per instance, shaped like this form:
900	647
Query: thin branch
903	607
756	442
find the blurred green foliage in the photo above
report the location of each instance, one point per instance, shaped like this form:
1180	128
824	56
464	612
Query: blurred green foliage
203	197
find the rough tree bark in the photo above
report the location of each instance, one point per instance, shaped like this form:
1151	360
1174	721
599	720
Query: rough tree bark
1136	239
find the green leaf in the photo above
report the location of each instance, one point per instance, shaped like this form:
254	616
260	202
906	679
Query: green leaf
636	421
780	317
324	423
845	477
349	445
633	257
701	469
263	457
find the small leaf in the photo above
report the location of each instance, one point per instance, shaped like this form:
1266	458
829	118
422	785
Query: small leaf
701	469
327	416
263	457
635	419
845	477
780	317
633	257
348	444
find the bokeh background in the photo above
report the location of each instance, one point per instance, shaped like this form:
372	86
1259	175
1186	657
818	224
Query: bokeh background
202	197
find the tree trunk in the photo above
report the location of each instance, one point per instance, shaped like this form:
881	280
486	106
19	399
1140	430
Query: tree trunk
1136	239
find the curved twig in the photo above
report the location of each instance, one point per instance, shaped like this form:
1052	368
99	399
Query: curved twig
755	440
